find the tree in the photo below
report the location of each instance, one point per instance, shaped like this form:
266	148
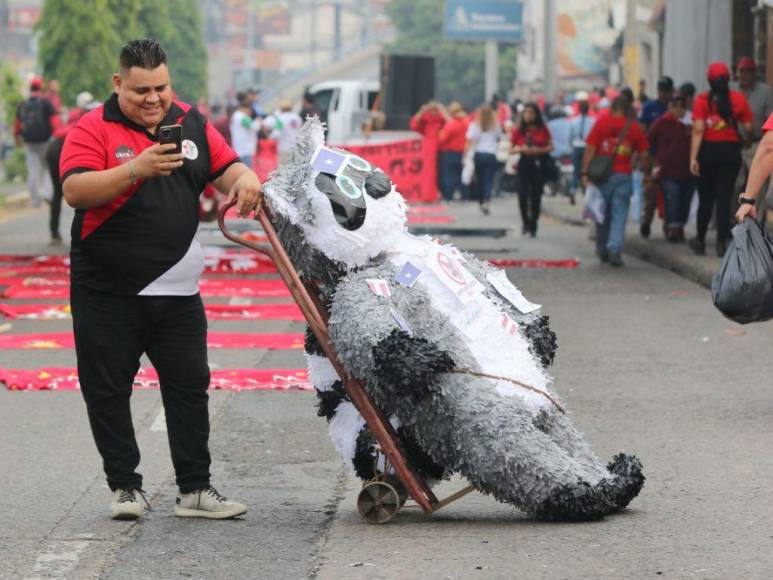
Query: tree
10	92
459	66
76	46
187	52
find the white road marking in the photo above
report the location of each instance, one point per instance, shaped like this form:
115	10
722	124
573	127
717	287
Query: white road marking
159	425
59	557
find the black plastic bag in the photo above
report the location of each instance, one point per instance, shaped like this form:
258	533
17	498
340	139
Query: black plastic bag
742	290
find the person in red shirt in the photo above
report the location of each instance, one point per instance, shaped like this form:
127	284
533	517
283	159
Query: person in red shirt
428	121
135	265
669	141
718	116
451	141
607	138
531	140
759	171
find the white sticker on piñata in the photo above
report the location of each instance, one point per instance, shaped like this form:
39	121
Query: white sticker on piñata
472	319
379	287
453	275
510	293
509	325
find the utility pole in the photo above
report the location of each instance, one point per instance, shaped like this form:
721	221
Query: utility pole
492	69
550	50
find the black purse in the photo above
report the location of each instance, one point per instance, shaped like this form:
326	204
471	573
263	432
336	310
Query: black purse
600	167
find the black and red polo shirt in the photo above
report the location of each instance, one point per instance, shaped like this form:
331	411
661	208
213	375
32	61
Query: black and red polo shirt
143	242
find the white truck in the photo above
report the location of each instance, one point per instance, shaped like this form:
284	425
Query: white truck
344	106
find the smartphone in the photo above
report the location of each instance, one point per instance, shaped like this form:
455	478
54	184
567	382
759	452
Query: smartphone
171	134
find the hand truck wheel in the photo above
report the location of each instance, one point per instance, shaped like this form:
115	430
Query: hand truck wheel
378	502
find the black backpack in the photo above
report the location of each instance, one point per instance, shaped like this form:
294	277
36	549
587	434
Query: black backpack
34	114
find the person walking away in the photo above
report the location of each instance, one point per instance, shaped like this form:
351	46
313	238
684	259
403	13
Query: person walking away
715	153
620	136
650	112
560	129
531	140
760	98
580	129
482	141
451	141
135	266
83	103
283	126
36	121
669	141
245	125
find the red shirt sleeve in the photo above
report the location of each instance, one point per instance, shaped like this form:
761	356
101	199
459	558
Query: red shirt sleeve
221	156
515	137
85	147
547	135
416	123
640	142
700	108
768	124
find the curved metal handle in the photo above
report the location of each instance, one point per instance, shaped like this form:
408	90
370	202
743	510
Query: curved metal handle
263	249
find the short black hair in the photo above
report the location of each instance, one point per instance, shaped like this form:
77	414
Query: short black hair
666	84
687	90
142	52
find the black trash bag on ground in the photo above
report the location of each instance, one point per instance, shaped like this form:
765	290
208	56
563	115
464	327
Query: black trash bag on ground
742	290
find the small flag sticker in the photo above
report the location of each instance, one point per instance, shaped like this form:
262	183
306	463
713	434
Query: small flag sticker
328	161
379	287
408	275
509	325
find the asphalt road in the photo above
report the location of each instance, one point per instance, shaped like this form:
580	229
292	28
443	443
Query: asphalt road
645	365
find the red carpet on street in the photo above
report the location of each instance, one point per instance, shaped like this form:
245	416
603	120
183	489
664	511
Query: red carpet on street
59	379
56	340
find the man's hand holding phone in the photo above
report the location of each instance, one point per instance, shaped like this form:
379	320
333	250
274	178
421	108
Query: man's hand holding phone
157	160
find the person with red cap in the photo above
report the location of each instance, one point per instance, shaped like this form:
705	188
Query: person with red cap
36	121
760	97
722	122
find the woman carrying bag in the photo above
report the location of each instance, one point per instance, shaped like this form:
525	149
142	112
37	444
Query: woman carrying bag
608	164
715	154
532	141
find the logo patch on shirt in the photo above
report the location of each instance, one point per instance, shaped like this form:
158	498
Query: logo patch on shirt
190	151
124	154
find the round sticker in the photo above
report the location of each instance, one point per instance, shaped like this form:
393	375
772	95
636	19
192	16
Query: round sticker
190	151
348	187
448	266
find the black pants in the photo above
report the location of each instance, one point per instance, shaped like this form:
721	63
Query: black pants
53	153
111	334
531	184
720	164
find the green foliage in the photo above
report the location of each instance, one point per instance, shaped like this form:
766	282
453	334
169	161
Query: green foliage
16	165
77	43
459	66
10	92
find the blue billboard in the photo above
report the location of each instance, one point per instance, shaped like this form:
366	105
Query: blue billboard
484	20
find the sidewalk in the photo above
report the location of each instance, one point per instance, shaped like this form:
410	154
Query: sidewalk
675	257
13	196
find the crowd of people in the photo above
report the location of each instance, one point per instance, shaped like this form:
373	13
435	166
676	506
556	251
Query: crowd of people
659	152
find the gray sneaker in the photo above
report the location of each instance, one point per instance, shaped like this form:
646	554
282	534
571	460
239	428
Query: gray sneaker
207	503
126	504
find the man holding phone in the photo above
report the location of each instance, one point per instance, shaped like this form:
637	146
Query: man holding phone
135	266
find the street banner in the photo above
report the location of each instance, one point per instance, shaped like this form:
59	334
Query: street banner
410	164
59	340
484	20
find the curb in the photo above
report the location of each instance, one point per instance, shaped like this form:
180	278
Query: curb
654	251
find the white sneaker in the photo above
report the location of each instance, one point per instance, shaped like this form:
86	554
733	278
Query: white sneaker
207	503
126	504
